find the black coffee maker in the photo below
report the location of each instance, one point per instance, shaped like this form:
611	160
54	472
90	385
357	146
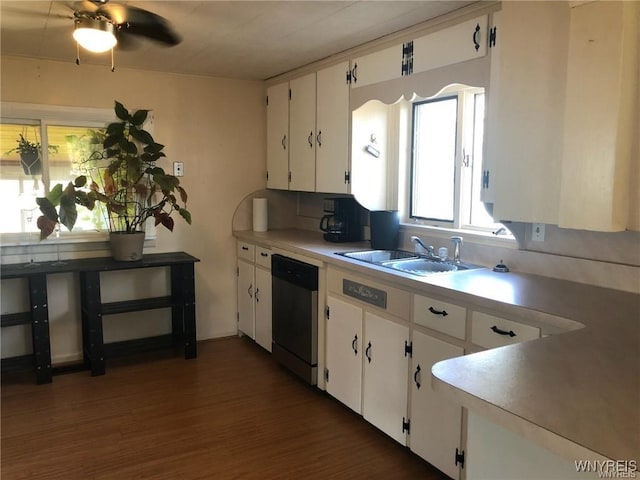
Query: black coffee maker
342	221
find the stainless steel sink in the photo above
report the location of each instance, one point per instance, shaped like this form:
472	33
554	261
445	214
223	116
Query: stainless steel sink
378	256
421	266
407	261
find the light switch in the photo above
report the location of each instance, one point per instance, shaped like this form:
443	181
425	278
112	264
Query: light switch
178	169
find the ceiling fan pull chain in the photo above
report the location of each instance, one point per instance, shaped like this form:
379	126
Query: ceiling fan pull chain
77	54
113	68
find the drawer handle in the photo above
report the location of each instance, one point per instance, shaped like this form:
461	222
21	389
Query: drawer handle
503	332
354	345
438	312
250	290
367	352
262	254
245	248
416	376
257	293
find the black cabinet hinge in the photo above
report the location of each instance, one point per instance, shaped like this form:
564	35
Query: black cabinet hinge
326	374
407	59
267	175
289	177
406	425
327	312
485	179
460	457
267	100
408	349
347	177
289	94
493	34
348	75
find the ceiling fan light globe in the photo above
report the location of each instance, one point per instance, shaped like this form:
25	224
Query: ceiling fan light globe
95	35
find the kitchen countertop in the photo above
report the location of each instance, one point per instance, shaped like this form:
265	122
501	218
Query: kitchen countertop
576	393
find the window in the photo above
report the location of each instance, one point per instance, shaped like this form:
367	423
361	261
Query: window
446	161
40	147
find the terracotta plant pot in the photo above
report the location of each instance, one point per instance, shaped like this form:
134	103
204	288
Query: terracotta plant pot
126	247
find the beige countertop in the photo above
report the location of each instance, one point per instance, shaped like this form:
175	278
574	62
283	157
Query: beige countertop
575	393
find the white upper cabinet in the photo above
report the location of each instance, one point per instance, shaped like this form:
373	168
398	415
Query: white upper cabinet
491	133
332	121
308	132
600	114
377	67
278	136
461	42
562	123
302	128
528	111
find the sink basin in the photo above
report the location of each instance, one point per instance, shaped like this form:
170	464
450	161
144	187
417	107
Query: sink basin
421	266
378	256
407	261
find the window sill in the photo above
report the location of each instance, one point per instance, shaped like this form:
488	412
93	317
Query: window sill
18	248
472	236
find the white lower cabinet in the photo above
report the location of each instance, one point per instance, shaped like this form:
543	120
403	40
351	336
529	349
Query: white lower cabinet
436	422
246	301
263	308
344	353
254	293
499	454
384	400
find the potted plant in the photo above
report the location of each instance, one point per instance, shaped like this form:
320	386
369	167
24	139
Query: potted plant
30	156
124	177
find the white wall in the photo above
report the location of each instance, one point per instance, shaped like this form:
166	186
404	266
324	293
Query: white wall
216	126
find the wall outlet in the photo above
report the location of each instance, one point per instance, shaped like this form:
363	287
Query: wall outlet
537	232
178	169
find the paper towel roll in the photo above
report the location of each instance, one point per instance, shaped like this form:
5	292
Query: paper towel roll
260	218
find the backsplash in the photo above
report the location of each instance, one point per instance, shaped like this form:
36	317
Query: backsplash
610	260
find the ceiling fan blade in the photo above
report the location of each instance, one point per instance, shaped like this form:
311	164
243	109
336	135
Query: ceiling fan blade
84	6
138	21
126	42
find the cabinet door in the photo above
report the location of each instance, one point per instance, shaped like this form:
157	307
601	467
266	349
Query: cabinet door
435	420
278	136
377	67
384	403
464	41
263	307
491	133
530	110
246	304
302	127
344	353
601	121
332	139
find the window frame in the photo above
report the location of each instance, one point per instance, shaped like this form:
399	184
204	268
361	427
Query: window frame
43	116
412	164
464	143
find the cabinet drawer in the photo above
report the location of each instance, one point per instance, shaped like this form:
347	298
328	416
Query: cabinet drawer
263	257
438	315
491	332
246	251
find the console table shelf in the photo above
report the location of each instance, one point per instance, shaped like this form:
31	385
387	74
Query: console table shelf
181	301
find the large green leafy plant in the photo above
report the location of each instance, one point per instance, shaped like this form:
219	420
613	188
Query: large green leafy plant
123	176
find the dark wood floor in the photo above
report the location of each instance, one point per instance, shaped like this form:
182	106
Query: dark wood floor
230	414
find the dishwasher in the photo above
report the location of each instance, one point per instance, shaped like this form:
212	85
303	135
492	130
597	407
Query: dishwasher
295	316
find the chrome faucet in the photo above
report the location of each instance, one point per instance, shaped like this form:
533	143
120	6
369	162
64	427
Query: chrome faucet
429	249
457	243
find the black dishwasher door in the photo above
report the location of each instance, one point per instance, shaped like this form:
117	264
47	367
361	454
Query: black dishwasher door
295	316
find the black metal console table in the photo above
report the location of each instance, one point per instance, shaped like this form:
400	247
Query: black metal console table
181	301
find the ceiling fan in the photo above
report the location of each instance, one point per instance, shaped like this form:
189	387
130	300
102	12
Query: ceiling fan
101	25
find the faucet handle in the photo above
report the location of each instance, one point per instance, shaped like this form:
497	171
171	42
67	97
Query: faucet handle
456	240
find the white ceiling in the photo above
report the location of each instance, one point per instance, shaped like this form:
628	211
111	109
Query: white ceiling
235	39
